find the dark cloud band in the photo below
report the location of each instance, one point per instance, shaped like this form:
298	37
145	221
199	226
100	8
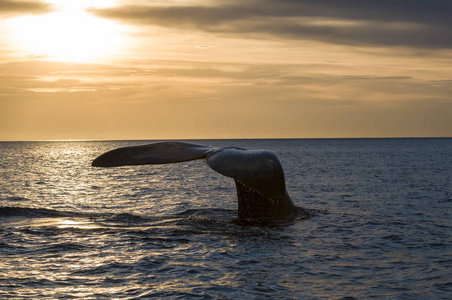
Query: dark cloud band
8	7
421	24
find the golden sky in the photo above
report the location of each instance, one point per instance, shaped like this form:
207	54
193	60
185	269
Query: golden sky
189	69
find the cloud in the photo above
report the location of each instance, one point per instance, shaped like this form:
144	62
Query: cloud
30	76
8	7
421	24
42	67
211	82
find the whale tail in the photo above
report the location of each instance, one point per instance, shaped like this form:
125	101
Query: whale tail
258	175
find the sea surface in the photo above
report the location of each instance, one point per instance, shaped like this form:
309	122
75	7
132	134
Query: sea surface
379	226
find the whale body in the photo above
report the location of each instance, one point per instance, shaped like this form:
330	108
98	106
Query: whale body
258	174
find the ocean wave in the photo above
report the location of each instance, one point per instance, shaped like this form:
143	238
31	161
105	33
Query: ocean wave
197	219
16	198
30	212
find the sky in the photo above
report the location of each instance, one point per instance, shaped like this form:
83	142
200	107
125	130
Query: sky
211	69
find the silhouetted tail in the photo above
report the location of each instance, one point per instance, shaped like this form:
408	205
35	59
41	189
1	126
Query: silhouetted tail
259	177
157	153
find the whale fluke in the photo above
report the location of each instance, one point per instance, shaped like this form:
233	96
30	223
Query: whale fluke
258	175
156	153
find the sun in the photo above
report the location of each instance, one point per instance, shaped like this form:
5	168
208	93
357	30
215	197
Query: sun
68	34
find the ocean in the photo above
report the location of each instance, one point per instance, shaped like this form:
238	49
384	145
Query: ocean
379	225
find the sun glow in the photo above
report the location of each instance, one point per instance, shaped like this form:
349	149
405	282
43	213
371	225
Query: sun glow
69	34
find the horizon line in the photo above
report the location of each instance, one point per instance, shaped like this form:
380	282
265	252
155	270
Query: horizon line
260	138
